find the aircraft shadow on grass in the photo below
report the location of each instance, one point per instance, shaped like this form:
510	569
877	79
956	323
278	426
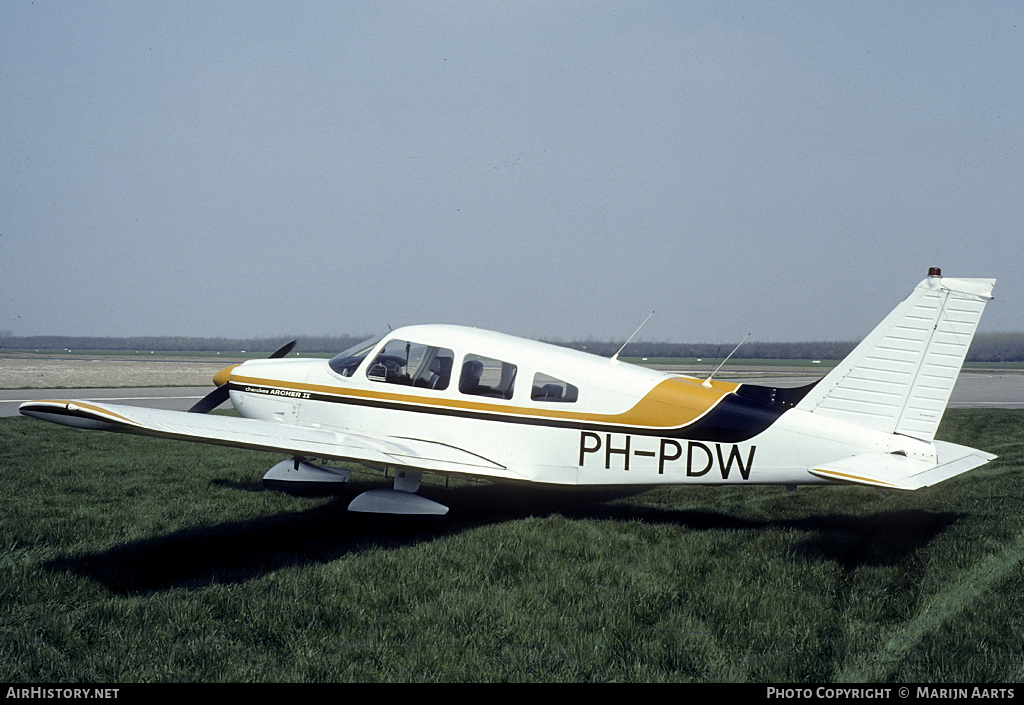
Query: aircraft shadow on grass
237	551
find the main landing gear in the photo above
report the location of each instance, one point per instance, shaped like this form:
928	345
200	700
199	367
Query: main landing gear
299	476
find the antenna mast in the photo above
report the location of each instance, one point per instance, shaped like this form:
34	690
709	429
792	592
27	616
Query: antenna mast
707	382
615	357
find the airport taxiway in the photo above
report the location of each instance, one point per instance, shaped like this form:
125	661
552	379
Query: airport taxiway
175	398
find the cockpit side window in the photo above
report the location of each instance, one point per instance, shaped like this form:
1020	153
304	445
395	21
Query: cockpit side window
487	377
548	388
412	364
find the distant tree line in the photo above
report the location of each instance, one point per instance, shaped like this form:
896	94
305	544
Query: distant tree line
774	351
178	344
987	347
997	347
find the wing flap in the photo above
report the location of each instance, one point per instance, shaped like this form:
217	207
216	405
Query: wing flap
265	435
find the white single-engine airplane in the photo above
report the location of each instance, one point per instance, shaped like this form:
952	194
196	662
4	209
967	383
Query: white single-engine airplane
471	403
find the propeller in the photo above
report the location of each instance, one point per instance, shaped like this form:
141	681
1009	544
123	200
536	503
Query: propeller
283	350
220	395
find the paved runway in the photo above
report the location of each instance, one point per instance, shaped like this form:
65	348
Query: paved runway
976	390
973	391
177	398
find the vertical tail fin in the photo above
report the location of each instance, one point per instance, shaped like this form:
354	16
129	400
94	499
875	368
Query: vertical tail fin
898	380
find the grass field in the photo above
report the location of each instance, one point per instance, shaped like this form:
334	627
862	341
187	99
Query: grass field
127	559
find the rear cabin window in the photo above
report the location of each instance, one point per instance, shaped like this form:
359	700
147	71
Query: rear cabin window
412	364
487	377
547	388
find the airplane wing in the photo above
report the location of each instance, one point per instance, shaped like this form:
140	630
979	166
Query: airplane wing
892	471
270	436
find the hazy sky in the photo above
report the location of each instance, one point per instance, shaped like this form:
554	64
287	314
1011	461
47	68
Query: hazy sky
547	169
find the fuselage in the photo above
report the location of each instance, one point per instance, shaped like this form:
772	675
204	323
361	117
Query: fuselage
553	415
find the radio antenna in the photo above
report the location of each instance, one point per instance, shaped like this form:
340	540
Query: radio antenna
707	382
615	357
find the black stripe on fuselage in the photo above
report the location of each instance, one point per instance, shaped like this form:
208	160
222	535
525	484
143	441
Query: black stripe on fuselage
737	417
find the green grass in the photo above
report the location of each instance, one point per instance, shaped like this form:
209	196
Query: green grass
127	559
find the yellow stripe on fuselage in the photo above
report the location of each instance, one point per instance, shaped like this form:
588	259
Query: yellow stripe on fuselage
672	403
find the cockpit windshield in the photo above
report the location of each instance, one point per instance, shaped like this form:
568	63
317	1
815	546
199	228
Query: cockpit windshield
346	362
